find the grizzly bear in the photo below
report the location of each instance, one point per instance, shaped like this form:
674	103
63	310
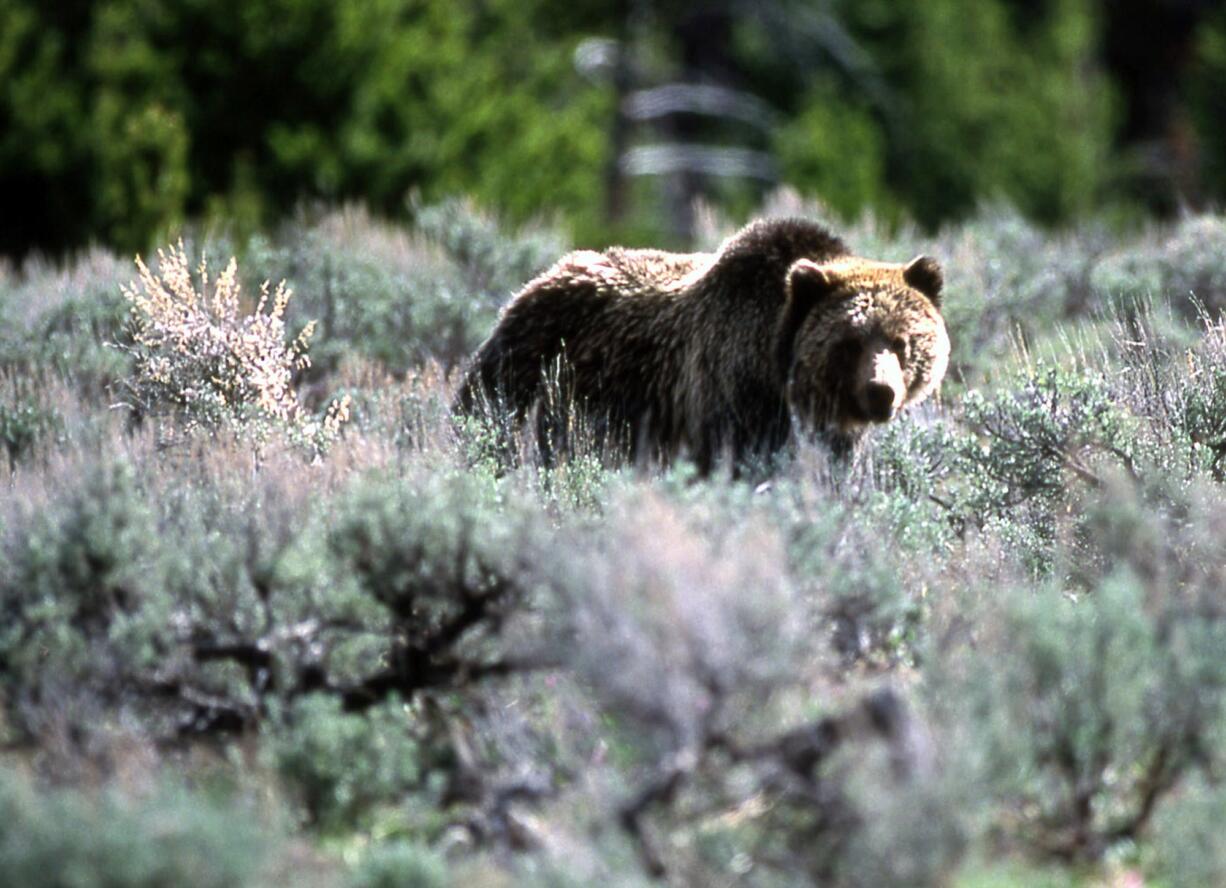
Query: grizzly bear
712	356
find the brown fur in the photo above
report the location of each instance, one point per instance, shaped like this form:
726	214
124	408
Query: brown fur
707	355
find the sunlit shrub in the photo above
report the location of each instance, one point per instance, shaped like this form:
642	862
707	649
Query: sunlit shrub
696	631
201	355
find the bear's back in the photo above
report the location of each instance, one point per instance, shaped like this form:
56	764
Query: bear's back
647	271
757	255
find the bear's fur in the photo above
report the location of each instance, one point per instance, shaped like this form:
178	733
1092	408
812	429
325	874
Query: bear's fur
714	355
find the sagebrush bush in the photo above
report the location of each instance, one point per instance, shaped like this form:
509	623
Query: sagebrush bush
201	355
401	865
697	629
1187	847
446	560
78	591
64	321
1028	445
912	472
1200	398
402	297
26	417
65	838
1186	266
1007	276
698	636
205	608
1087	701
493	264
339	765
376	291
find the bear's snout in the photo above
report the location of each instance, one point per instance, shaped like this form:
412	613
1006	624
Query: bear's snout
879	402
881	389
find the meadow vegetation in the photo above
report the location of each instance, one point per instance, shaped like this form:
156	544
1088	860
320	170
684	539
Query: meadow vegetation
269	616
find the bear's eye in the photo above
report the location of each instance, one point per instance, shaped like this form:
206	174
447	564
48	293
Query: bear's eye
898	345
849	349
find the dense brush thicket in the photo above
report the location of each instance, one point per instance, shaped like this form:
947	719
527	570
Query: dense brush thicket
987	651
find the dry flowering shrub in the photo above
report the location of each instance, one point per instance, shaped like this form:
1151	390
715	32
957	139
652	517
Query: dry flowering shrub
199	355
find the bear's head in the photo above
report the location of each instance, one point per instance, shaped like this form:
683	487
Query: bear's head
860	340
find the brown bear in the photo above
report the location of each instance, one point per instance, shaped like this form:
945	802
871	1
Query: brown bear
714	356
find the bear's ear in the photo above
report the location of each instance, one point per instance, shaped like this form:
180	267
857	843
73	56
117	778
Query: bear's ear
808	282
925	275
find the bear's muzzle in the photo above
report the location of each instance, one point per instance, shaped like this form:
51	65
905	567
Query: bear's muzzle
882	388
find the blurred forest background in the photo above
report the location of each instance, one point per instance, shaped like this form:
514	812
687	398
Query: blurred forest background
121	119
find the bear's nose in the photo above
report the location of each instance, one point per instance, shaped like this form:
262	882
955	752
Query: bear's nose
878	401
